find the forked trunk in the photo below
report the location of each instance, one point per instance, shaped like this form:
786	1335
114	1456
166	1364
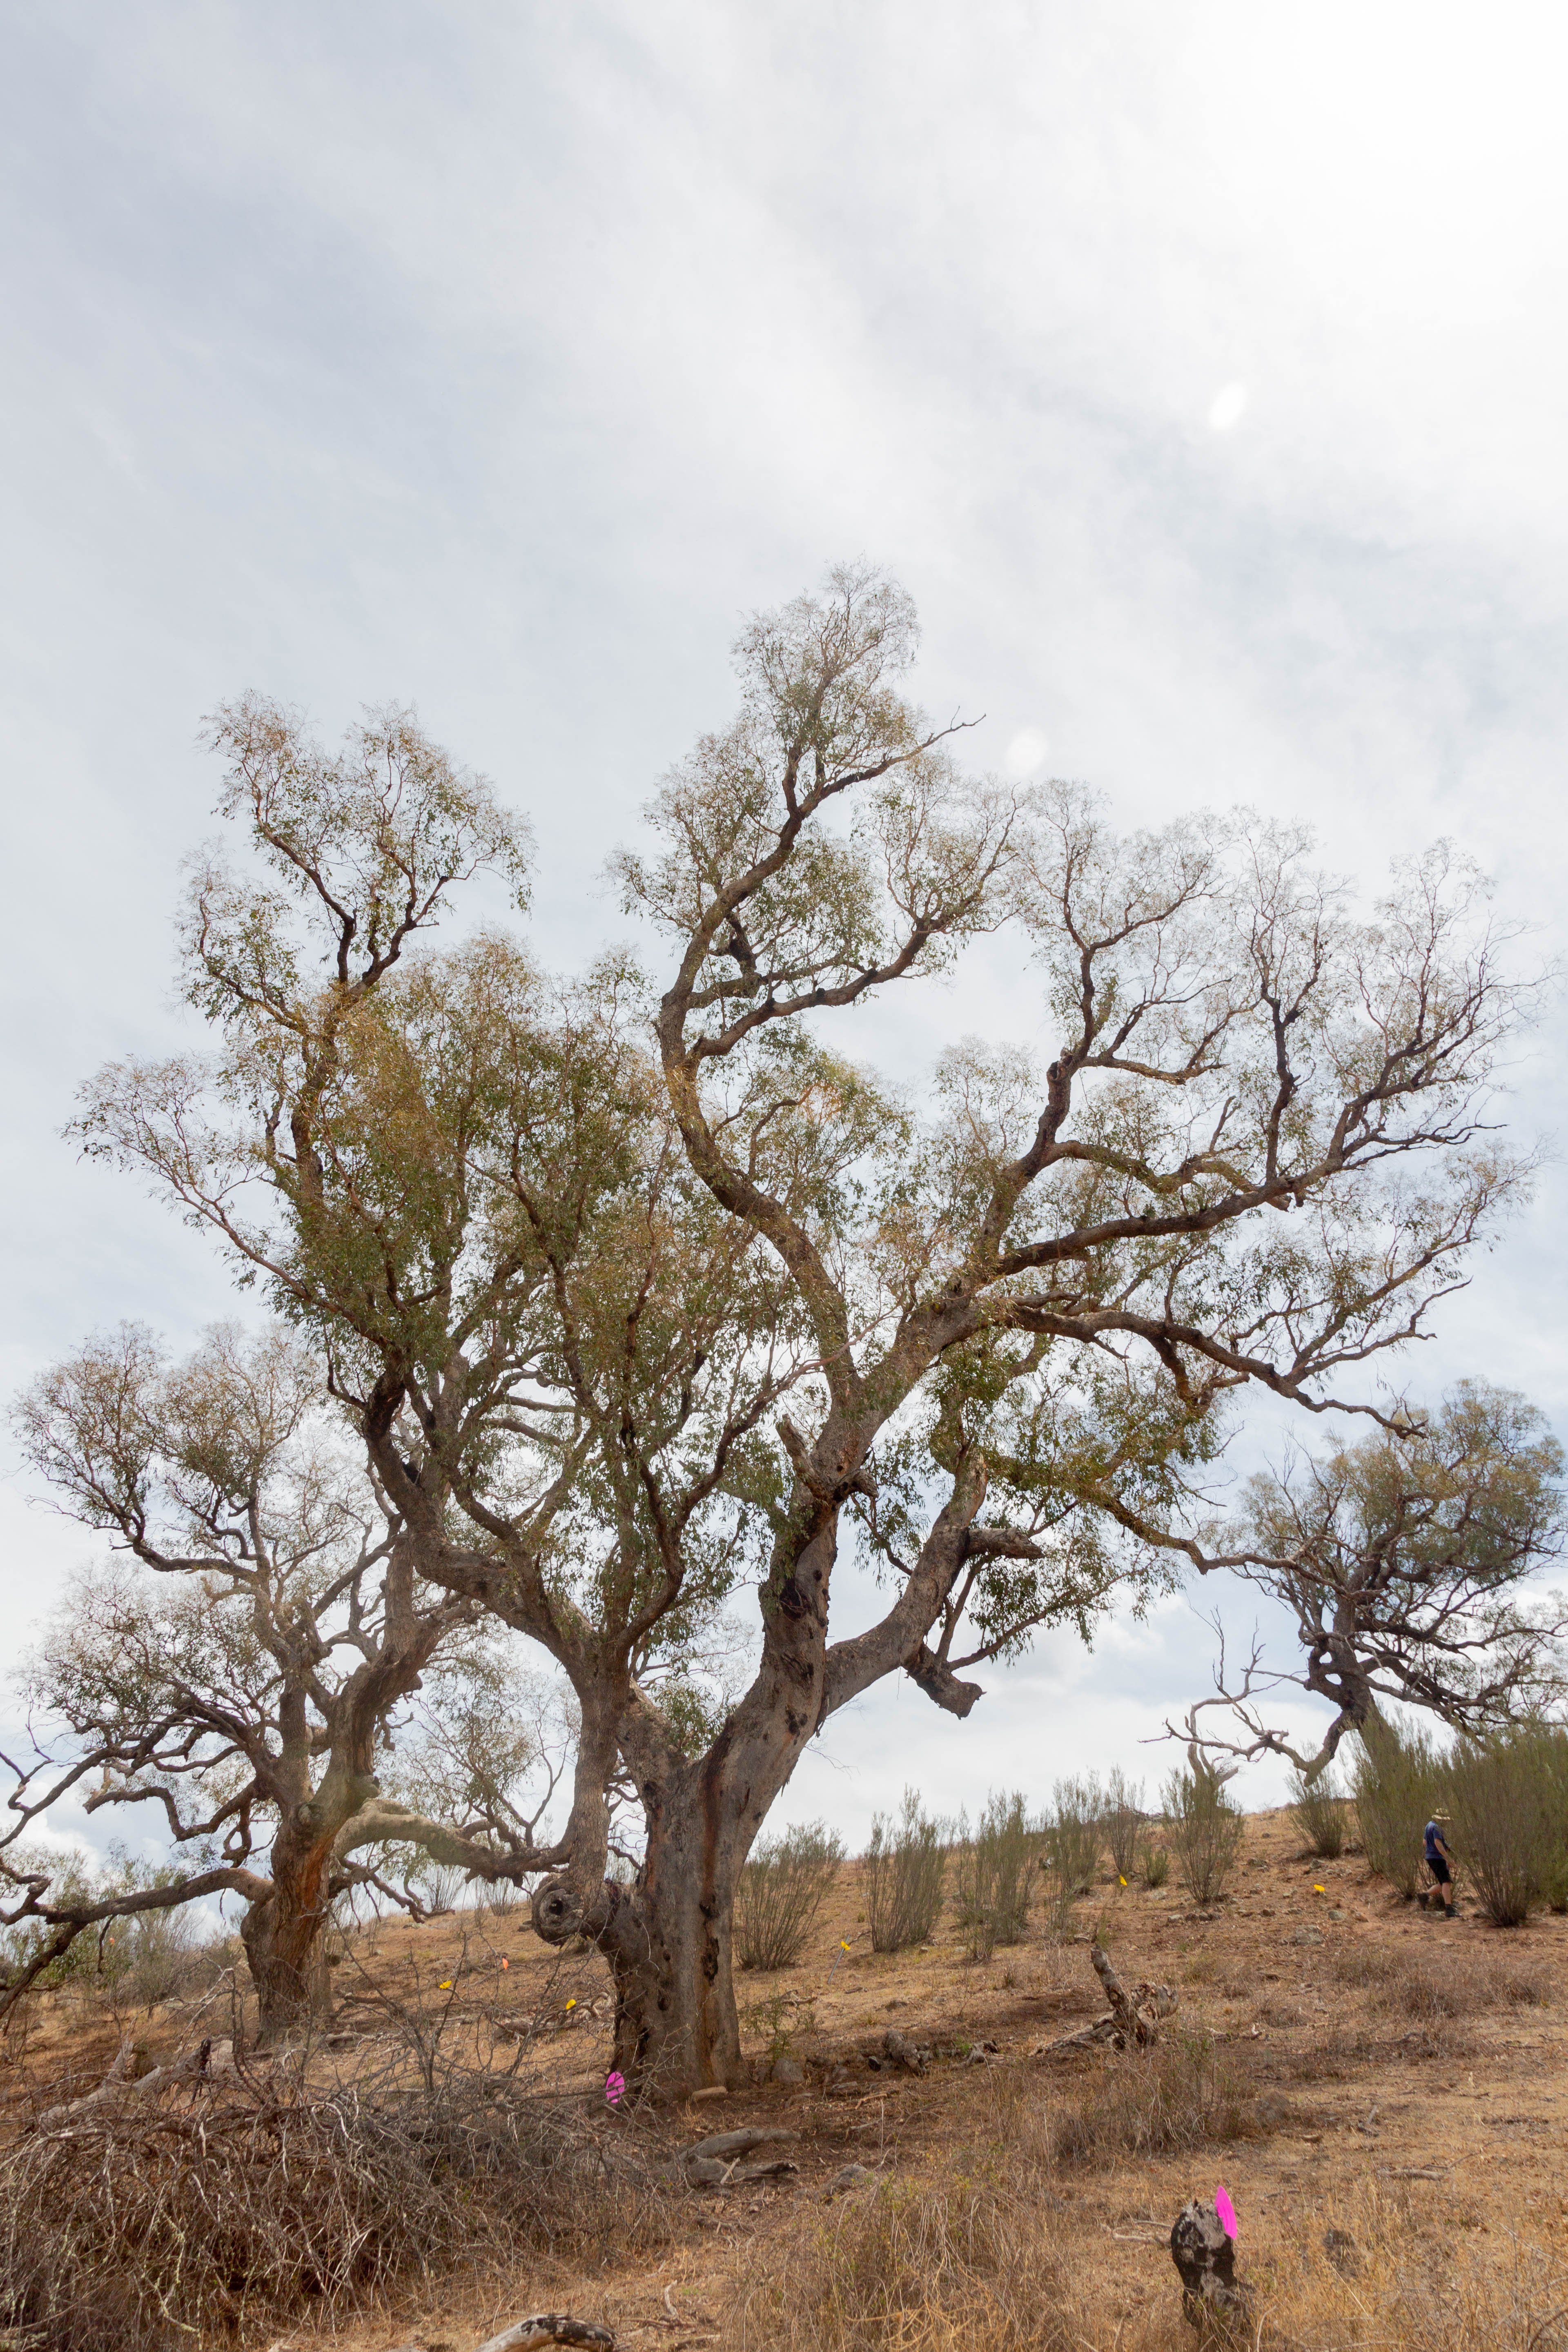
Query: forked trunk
284	1935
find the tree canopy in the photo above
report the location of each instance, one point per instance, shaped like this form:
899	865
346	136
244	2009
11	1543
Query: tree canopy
637	1289
1407	1562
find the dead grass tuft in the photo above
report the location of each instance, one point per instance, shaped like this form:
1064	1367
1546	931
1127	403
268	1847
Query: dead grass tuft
1178	2094
919	2268
1450	1983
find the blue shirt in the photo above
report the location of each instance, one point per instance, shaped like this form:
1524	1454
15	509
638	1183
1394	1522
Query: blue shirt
1434	1850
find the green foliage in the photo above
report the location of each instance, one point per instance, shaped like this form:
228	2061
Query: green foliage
906	1871
72	1879
782	1889
1509	1822
1122	1817
991	1890
1397	1781
1318	1807
1074	1838
1205	1828
1407	1562
1154	1862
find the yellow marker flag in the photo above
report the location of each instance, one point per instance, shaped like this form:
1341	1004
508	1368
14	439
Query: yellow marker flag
1320	1890
445	1987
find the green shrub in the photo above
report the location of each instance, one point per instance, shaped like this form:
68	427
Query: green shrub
1154	1861
905	1869
993	1889
1397	1782
1073	1836
1504	1828
1122	1815
1205	1829
781	1892
1318	1808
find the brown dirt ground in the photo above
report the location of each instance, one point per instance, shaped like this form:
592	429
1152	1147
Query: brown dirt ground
1458	2121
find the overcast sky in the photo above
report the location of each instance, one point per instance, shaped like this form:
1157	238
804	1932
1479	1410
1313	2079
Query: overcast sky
1201	369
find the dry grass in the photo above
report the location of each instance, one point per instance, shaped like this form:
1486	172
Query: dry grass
913	2269
1024	2201
972	2262
1455	1982
1342	2282
1179	2094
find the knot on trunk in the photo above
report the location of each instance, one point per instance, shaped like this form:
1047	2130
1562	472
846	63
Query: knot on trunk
1204	2257
562	1909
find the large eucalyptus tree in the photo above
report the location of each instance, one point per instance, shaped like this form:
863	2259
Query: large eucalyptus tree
641	1294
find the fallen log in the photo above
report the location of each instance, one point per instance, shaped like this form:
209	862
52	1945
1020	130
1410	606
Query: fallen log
545	2327
130	2077
715	2162
736	2143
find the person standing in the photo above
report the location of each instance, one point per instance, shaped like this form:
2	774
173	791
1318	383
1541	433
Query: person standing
1440	1862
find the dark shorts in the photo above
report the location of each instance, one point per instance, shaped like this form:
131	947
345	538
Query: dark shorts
1439	1870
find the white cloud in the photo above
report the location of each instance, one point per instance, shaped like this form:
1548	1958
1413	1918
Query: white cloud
1027	751
1228	407
502	363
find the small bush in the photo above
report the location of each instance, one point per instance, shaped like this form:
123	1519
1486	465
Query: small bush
1364	1964
905	1869
1154	1861
1206	1830
1175	2094
440	1885
993	1889
1122	1816
1396	1779
1318	1808
1073	1836
781	1892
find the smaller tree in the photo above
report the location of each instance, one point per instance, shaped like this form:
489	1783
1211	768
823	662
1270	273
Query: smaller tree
242	1678
1404	1561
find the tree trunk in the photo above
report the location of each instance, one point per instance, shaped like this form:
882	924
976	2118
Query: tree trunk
284	1933
669	1943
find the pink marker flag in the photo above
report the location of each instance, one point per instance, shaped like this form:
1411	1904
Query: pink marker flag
614	2091
1225	2209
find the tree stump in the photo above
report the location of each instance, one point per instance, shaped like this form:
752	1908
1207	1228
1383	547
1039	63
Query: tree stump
1213	2297
1133	2018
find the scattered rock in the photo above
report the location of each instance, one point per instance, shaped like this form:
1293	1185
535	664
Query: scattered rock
788	2072
854	2176
1308	1936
